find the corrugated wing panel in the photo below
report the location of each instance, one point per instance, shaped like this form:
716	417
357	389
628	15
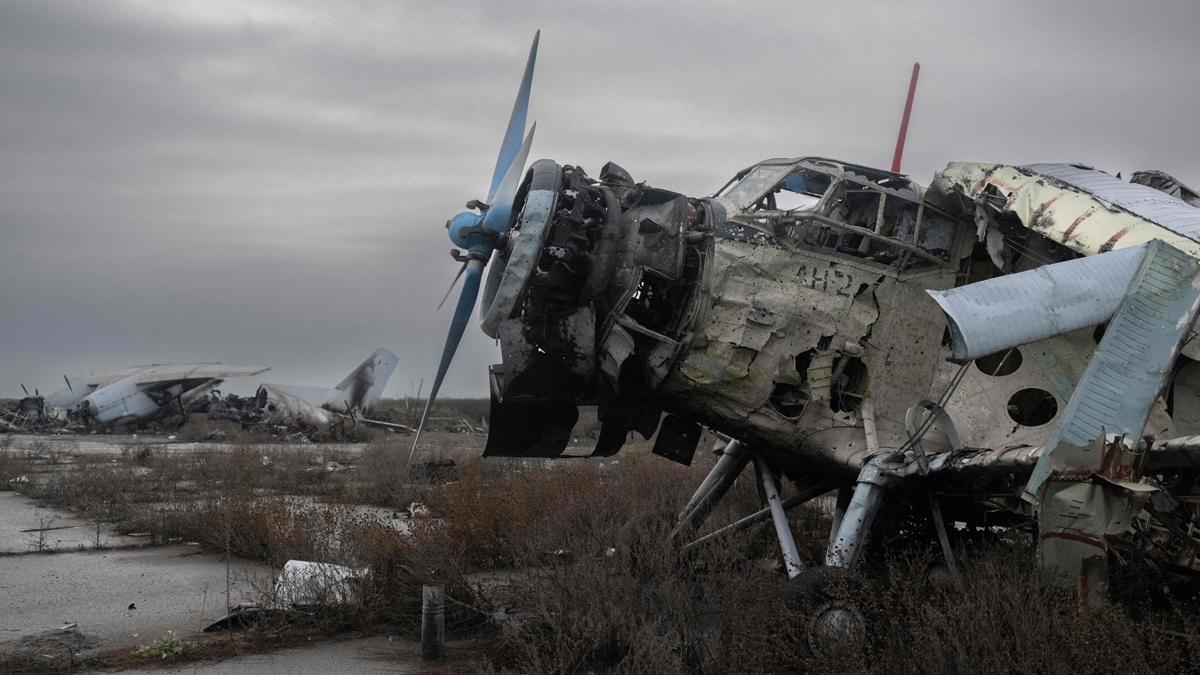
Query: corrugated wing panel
1146	202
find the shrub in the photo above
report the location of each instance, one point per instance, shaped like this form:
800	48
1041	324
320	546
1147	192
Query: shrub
170	647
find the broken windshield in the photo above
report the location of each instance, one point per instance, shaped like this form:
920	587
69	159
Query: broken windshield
773	188
756	183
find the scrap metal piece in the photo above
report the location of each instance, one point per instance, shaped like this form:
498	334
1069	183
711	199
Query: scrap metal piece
1171	213
304	583
677	439
1165	182
529	428
1077	517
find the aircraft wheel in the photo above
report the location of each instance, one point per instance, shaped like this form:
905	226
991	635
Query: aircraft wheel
833	625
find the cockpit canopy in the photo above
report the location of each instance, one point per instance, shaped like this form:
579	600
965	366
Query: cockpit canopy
816	203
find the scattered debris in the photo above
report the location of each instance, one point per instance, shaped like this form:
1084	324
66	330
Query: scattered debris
302	587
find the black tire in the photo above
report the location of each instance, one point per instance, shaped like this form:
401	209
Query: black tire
833	626
812	588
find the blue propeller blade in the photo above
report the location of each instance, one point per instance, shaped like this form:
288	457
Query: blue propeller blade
516	122
506	178
462	313
498	214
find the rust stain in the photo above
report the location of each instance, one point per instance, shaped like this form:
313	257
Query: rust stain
1082	217
1112	241
1035	220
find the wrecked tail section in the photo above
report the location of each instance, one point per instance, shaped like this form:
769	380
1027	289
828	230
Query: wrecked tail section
364	385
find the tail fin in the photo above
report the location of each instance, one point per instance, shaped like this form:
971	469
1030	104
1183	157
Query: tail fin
364	385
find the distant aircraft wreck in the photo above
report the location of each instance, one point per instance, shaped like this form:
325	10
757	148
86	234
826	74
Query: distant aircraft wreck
140	394
1012	347
123	397
317	407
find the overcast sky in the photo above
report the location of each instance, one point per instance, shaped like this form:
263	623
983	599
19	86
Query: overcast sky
267	182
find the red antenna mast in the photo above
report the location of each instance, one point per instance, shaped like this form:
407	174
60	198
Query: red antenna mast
912	90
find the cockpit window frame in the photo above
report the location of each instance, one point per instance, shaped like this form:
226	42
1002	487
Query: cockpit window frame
764	178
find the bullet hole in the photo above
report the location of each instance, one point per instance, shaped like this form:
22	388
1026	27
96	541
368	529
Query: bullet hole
1032	407
1001	363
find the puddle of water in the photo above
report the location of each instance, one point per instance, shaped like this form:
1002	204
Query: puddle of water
25	527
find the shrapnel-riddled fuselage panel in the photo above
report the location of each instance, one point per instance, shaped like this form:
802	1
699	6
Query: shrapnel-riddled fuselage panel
818	313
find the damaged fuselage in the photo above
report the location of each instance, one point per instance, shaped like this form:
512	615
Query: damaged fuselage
789	311
817	314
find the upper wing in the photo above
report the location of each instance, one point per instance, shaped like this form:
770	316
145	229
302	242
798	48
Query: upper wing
1084	209
164	372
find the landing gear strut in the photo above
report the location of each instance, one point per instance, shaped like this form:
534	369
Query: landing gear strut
833	624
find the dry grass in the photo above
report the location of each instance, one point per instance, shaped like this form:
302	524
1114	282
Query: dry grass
599	585
14	465
579	559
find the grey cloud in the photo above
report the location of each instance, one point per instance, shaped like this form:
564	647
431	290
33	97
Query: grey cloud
267	181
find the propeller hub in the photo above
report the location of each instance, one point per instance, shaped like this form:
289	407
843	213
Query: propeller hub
467	232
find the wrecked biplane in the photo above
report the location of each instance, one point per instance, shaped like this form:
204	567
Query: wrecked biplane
928	351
